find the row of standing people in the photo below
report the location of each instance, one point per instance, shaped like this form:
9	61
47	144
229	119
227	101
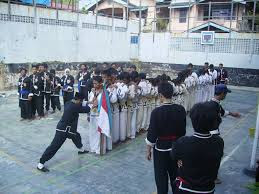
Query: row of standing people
43	87
133	97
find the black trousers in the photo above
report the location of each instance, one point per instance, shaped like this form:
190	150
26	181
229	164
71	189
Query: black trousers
84	91
47	99
25	106
55	103
164	167
37	105
67	96
57	142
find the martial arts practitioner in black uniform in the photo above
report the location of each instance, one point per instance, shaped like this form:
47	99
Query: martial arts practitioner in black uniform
46	79
67	83
167	124
55	91
82	79
25	95
221	91
37	87
198	156
66	128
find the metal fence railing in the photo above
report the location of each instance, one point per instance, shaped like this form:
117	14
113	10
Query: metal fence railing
168	16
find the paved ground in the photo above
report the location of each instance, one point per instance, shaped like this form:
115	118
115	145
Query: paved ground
124	170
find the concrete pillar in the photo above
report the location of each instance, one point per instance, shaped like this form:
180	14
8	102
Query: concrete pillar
2	77
124	13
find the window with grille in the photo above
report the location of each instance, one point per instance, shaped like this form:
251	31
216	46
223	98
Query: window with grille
182	15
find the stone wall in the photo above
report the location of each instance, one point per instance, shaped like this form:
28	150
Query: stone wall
237	76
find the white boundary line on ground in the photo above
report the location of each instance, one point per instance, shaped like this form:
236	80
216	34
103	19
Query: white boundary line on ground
226	158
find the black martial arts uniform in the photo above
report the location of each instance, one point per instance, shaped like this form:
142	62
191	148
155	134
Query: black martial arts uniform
67	82
200	155
66	128
24	92
221	112
55	91
37	88
222	76
82	79
46	88
167	124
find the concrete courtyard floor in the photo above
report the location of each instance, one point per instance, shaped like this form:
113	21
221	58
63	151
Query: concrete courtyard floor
123	170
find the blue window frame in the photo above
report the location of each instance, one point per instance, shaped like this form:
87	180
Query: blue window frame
134	40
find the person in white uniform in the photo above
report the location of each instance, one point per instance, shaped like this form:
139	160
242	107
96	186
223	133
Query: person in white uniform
132	109
112	89
122	92
149	104
140	112
93	98
213	72
145	91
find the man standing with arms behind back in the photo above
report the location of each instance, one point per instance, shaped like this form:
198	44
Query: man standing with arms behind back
167	124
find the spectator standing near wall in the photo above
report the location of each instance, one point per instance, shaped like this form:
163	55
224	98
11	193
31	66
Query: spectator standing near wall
222	75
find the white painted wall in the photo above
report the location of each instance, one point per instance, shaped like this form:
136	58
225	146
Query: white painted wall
27	42
159	51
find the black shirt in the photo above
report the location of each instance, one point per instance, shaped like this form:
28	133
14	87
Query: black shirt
69	120
220	112
55	85
222	75
201	155
37	83
82	78
24	88
167	124
67	81
46	83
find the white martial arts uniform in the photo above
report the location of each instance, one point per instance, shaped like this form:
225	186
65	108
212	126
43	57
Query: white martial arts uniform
150	92
94	134
132	110
122	93
142	112
201	91
157	100
207	89
214	75
191	89
154	91
131	95
195	88
115	113
175	93
186	93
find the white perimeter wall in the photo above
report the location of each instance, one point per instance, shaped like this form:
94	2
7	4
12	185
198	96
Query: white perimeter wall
29	42
26	42
162	48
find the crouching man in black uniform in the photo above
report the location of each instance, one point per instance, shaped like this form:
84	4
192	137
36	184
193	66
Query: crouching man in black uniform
198	156
66	128
167	124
